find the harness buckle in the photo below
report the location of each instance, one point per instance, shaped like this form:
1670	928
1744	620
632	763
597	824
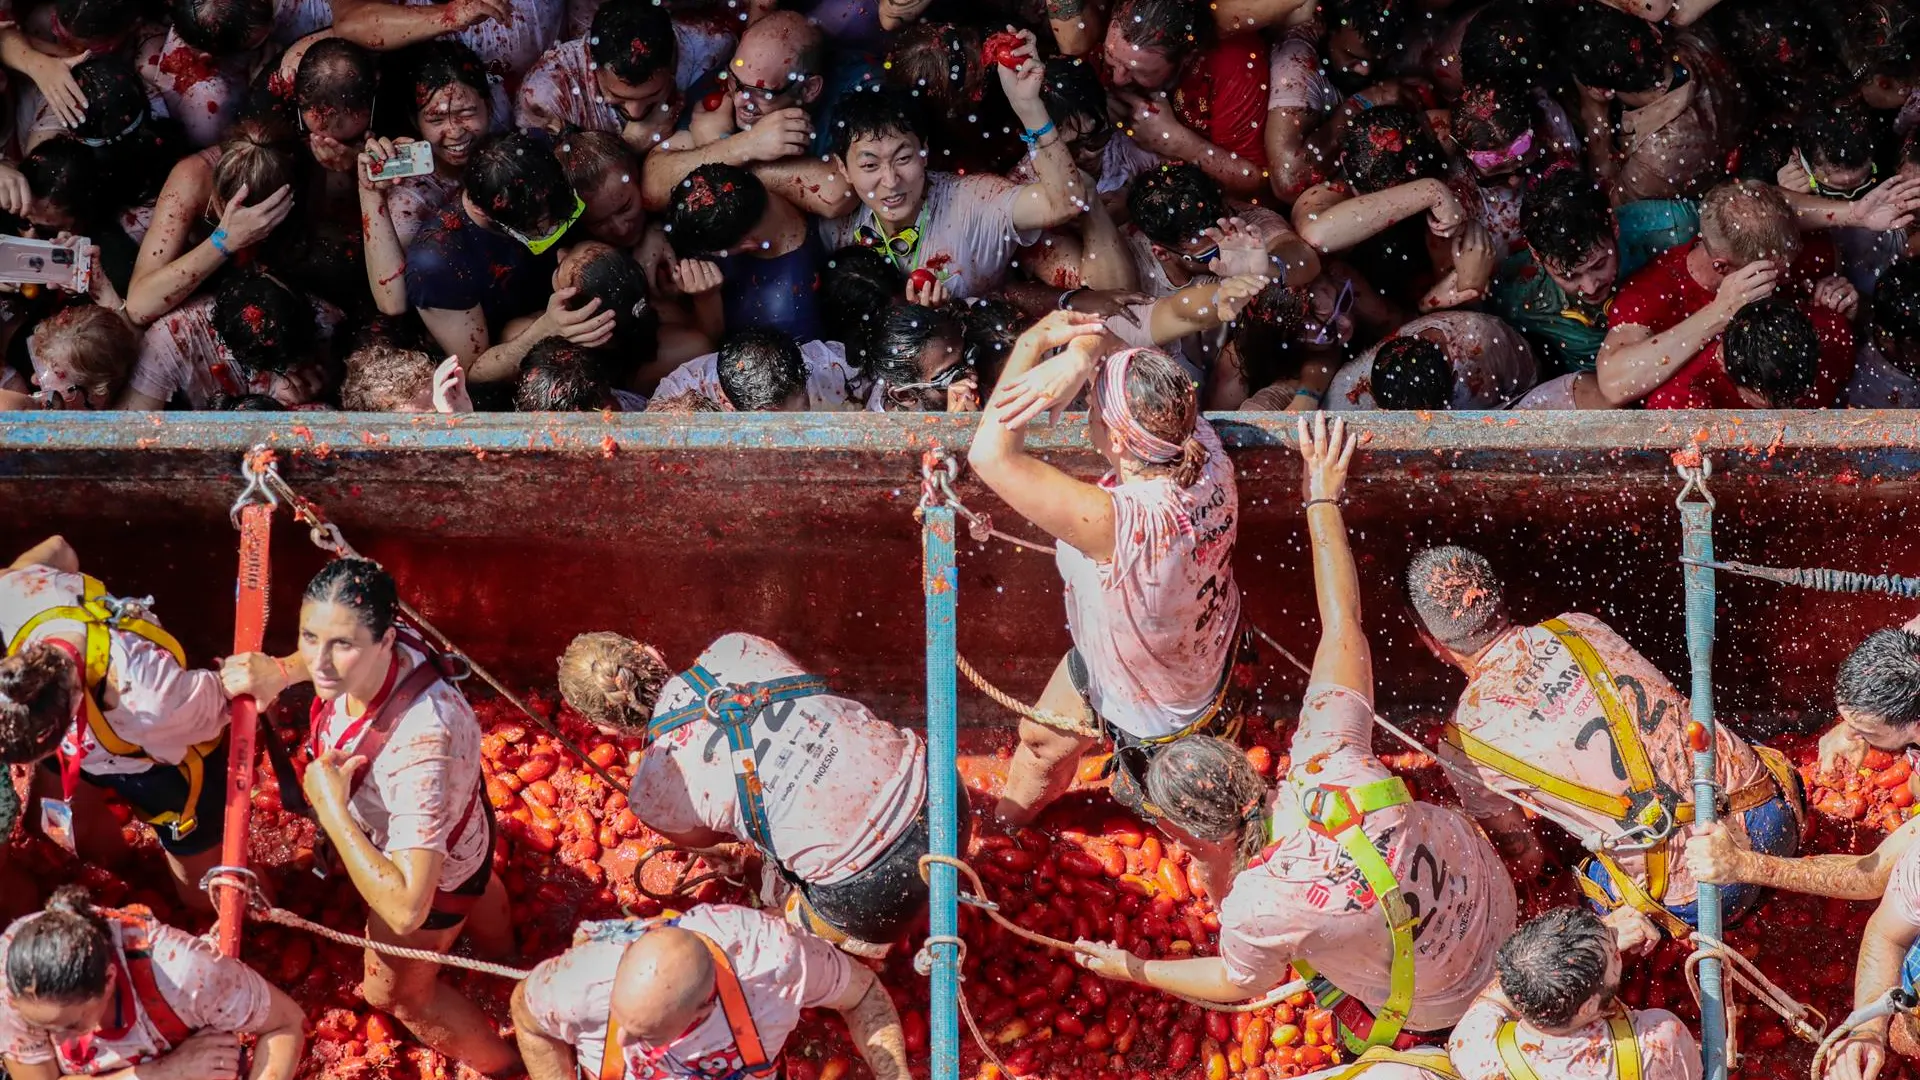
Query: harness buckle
1318	804
1646	831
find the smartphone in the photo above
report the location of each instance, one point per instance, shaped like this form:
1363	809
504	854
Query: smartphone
413	159
66	266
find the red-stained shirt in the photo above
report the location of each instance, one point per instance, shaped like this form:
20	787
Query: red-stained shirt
1663	294
1704	384
1222	95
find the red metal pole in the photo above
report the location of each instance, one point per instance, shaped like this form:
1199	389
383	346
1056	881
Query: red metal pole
249	630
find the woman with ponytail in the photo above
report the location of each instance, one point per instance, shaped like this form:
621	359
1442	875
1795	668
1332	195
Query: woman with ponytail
1401	905
1146	553
103	992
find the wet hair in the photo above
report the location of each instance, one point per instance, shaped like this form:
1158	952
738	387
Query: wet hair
1504	45
611	680
559	376
259	154
382	378
1881	678
1611	50
516	182
268	326
1166	404
1379	23
1073	95
1387	146
1869	40
617	282
633	39
1175	204
1566	218
713	209
938	63
1412	373
36	702
93	20
1169	26
1491	115
1263	336
434	65
1776	44
362	587
684	403
904	332
245	403
1896	313
876	114
587	156
116	99
61	171
859	284
100	346
1207	787
988	331
336	75
759	368
1457	597
1554	964
1843	135
64	955
1748	220
1771	347
221	27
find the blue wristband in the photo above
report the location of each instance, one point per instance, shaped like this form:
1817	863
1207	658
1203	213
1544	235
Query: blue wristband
1032	136
1310	394
1364	103
219	242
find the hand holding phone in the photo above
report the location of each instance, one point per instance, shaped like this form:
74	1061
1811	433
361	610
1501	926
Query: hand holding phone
408	159
64	265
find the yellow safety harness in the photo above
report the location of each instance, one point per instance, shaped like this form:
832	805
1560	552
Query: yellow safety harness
1626	1050
100	614
1431	1058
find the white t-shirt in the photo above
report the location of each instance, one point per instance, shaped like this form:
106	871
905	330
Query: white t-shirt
833	385
1554	394
560	87
182	352
207	991
1155	623
1306	900
162	707
781	972
1667	1048
840	784
1295	79
967	238
511	49
1877	384
424	782
1492	363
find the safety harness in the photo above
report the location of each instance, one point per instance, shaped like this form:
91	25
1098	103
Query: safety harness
135	973
1626	1050
1433	1059
754	1060
733	708
1338	812
100	614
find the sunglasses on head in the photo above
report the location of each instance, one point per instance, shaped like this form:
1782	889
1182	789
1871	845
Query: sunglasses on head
540	245
908	394
1323	331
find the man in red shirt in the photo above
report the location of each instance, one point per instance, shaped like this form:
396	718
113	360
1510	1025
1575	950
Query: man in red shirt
1205	105
1668	312
1774	355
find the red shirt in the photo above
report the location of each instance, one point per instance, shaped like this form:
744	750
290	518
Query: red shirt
1703	383
1663	295
1222	96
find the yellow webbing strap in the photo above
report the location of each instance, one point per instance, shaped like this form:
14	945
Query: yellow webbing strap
93	614
1431	1058
1626	1050
1481	752
1631	893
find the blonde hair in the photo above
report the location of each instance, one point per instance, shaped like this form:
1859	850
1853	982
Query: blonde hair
1748	221
382	378
611	680
100	346
588	155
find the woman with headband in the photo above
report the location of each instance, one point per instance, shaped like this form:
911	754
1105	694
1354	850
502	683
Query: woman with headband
1146	553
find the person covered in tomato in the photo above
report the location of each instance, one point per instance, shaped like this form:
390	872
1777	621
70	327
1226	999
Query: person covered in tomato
97	691
834	798
1555	1012
712	993
1393	908
395	785
93	991
623	76
1146	554
1564	719
252	335
1775	354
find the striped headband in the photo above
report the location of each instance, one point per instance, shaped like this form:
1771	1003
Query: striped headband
1110	389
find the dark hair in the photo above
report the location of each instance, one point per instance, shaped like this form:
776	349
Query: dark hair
617	282
859	284
1554	964
988	331
516	181
876	114
759	368
937	62
1175	204
1896	313
1263	336
1611	50
1566	218
904	332
1844	135
268	326
362	587
336	75
1504	46
1869	40
1881	678
1491	115
1206	787
1772	347
1072	93
1411	372
1457	597
36	702
559	376
713	209
91	20
1378	22
116	98
1166	404
61	171
1169	26
1775	43
245	403
1387	146
434	65
633	39
221	27
64	955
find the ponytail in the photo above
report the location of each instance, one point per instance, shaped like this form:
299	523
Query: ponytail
36	702
612	681
1193	459
64	955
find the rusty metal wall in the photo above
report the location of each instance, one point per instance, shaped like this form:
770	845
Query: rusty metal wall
514	533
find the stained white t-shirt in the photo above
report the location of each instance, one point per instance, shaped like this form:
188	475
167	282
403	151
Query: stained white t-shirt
182	352
833	385
781	972
512	48
1492	363
1155	622
1667	1049
967	236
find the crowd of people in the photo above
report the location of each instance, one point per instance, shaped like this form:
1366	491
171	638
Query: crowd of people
553	205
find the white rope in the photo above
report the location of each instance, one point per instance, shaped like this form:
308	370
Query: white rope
1804	1021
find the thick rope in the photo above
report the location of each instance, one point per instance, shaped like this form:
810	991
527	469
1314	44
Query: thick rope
1820	579
283	917
978	898
1804	1021
1015	705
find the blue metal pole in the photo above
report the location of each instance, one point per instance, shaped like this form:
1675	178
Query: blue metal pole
942	587
1696	520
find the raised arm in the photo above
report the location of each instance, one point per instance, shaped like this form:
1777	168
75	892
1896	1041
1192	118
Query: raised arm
780	135
1203	977
54	551
1342	657
1057	195
385	258
382	25
874	1026
1332	223
1882	949
1634	362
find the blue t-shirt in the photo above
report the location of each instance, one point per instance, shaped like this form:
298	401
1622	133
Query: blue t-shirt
455	265
782	292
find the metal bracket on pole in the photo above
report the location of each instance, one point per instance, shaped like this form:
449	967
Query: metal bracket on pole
941	580
1696	524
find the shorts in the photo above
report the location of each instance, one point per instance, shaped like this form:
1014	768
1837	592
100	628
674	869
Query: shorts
1910	968
452	906
162	789
878	902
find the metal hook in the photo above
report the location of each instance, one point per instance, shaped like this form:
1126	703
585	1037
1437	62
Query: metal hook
1696	477
256	466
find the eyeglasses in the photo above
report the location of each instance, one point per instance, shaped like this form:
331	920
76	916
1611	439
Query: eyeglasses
908	396
542	244
1324	331
132	127
900	245
1202	258
760	95
1814	185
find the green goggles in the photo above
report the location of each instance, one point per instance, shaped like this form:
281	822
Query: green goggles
540	246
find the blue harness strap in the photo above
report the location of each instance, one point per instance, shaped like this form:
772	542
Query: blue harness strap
733	708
